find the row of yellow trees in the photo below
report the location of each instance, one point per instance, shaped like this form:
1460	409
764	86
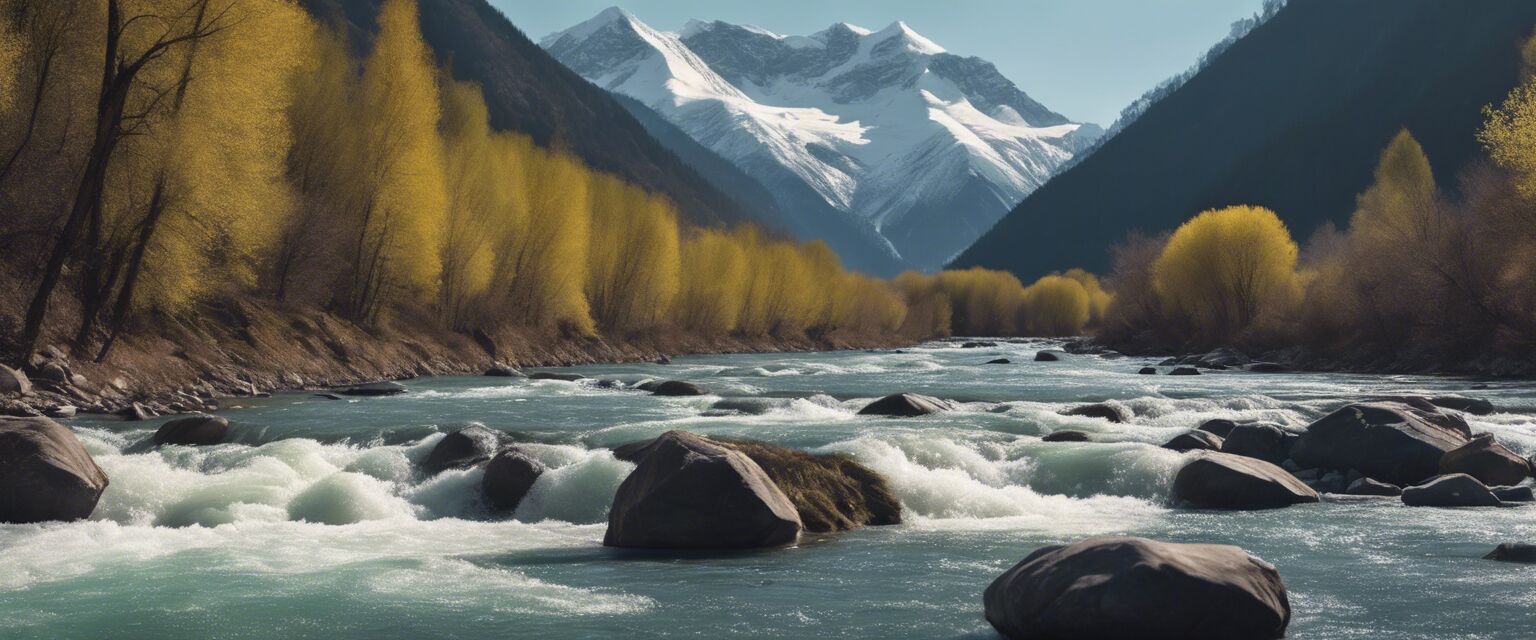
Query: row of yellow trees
235	147
1417	279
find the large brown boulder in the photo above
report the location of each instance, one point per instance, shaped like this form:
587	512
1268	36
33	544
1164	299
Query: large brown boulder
1109	588
508	478
466	447
1196	440
13	381
1487	460
1230	482
906	405
45	473
193	431
690	493
1099	410
1389	441
831	492
1455	490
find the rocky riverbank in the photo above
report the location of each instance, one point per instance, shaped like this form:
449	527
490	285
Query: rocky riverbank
240	349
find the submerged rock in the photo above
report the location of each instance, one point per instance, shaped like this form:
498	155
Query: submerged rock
193	431
1099	410
1267	367
1184	371
999	361
1388	441
375	389
45	473
1066	435
1230	482
906	405
1487	460
1455	490
466	447
328	396
1148	371
977	344
1124	587
830	492
508	478
1195	441
687	492
1513	552
1266	442
548	375
1369	487
677	388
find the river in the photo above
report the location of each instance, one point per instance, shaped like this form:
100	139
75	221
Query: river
316	524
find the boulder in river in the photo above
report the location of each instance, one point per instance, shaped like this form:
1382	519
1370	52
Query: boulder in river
999	361
45	473
1148	371
13	381
1066	435
1514	494
677	388
1195	440
1474	406
1455	490
1487	460
687	492
1108	412
1219	426
508	478
1369	487
906	405
1047	356
193	431
1389	441
1184	371
831	492
466	447
1124	587
1266	442
386	388
1513	552
1230	482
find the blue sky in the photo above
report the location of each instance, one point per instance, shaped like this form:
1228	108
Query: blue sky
1083	58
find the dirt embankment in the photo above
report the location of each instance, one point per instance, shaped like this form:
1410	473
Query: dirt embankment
243	348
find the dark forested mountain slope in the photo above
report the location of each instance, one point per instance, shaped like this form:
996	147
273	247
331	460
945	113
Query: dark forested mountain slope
530	92
1291	117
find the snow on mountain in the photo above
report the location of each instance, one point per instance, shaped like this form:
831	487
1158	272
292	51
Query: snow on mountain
925	148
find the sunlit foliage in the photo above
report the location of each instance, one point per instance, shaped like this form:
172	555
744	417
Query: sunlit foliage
1056	306
1224	267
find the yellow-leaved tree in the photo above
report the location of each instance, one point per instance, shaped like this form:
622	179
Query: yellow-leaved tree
1509	130
633	262
551	262
474	183
1225	267
714	281
399	213
1056	306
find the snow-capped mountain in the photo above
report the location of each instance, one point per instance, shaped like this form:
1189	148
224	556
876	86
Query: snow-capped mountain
884	128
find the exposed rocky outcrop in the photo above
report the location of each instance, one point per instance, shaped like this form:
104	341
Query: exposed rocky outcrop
463	448
193	431
502	370
687	492
1123	587
1388	441
1230	482
45	473
906	405
508	478
1487	460
1455	490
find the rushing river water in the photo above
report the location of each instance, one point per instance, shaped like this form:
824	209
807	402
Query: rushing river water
316	523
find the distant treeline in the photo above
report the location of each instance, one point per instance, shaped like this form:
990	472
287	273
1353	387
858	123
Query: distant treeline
1419	279
159	154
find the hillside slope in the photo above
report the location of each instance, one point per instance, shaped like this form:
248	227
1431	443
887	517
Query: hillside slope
530	92
1292	117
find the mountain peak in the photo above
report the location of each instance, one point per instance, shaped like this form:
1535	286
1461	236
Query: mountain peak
913	40
605	18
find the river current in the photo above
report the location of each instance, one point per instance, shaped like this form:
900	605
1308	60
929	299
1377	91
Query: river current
316	522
